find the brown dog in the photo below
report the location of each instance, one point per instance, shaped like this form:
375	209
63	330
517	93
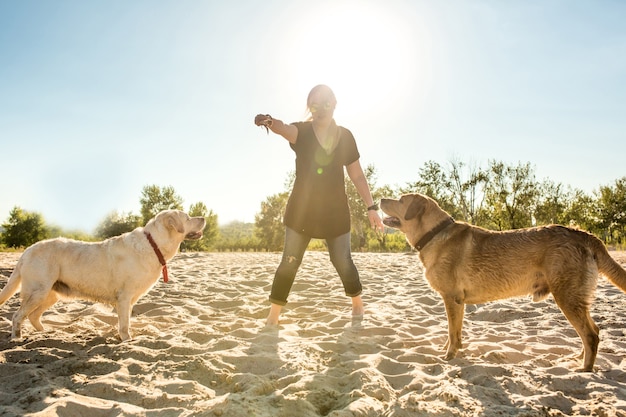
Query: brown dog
467	264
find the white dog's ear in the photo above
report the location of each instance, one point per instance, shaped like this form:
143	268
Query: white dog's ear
175	223
415	209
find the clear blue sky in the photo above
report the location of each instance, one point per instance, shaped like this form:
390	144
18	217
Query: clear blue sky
99	99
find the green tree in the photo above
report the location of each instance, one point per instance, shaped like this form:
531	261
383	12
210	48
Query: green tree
552	204
466	187
582	212
210	232
237	236
434	182
115	224
76	234
511	195
23	228
612	211
155	199
269	227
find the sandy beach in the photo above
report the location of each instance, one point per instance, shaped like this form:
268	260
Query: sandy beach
200	349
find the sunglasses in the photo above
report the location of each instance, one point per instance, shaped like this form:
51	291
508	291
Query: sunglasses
315	107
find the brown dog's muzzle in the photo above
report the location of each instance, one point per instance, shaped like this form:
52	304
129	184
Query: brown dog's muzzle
390	221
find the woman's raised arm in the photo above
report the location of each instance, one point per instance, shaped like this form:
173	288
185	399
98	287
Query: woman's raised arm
289	132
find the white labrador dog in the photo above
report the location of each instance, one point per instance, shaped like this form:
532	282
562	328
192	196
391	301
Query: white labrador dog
116	271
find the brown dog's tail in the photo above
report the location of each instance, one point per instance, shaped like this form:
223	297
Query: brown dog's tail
13	284
608	266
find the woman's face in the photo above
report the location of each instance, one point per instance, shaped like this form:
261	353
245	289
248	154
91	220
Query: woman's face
321	105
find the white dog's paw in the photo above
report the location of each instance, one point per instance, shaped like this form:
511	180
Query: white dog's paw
125	337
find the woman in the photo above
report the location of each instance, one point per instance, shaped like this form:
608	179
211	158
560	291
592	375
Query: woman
318	206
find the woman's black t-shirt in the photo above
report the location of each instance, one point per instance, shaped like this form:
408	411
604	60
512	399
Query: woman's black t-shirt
318	206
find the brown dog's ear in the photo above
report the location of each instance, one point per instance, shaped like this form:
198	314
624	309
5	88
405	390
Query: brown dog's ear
415	209
175	223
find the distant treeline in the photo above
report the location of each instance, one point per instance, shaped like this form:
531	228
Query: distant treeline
498	196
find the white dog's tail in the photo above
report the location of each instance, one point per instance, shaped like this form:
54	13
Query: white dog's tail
608	266
13	284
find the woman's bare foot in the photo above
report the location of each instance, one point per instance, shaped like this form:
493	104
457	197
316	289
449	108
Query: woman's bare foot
272	318
357	306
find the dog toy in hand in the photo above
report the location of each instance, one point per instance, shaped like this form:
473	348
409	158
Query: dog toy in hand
264	120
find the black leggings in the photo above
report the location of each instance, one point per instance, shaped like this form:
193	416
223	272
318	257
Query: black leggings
295	246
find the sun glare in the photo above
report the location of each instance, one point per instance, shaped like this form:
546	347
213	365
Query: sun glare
370	54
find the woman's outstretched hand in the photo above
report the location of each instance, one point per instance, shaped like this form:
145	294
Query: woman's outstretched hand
264	120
